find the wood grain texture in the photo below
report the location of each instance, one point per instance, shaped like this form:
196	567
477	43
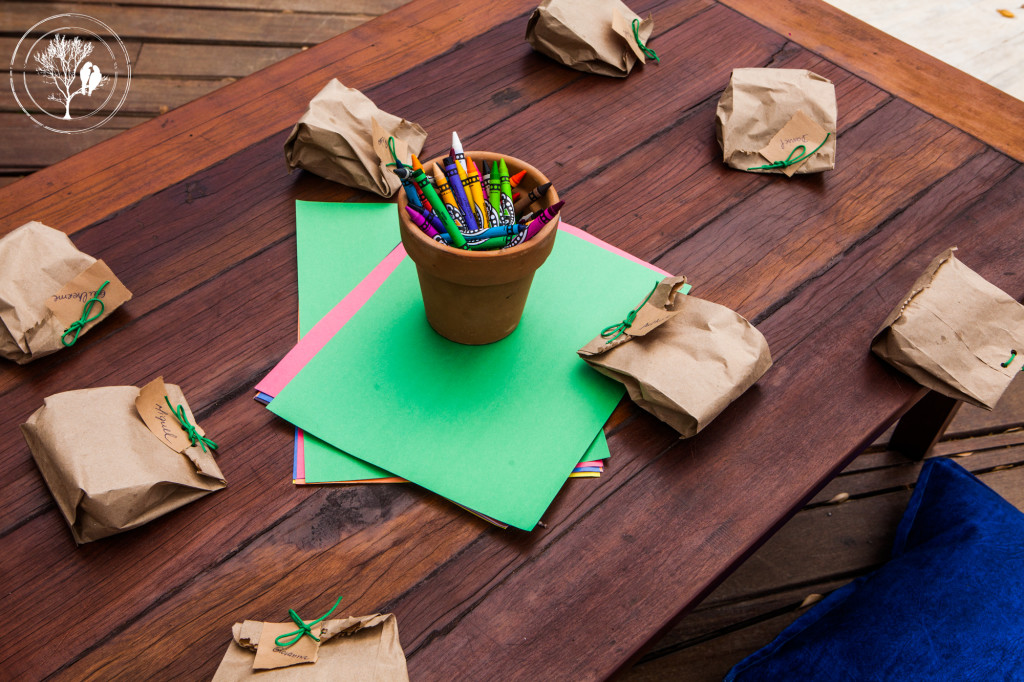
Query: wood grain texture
194	211
942	90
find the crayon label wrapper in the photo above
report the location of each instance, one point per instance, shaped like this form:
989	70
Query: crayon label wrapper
800	131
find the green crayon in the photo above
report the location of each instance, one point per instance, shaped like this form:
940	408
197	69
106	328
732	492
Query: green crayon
489	244
421	179
494	195
506	212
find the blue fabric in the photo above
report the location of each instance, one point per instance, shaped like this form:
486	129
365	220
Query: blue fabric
948	605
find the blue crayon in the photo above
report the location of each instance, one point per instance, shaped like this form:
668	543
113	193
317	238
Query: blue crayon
409	187
451	171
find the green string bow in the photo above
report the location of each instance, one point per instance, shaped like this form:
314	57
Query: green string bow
616	330
190	430
648	52
789	160
304	628
80	323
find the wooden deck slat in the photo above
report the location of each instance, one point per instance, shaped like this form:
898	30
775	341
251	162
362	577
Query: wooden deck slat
192	25
373	7
183	60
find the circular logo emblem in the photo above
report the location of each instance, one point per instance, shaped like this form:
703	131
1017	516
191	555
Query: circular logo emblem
70	73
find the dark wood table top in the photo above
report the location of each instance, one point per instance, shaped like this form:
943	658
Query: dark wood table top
195	212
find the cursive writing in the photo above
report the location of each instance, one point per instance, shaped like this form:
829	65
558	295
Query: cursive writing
80	296
281	650
161	416
785	143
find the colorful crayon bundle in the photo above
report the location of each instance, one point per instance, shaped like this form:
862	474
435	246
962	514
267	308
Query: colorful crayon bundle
472	207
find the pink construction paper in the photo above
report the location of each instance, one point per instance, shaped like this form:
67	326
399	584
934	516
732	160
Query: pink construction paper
325	329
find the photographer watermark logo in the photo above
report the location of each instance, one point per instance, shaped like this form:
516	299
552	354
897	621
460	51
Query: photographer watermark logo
70	73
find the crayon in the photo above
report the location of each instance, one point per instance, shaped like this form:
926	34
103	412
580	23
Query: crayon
427	216
500	231
421	222
494	195
458	153
505	210
416	165
444	190
476	193
516	179
410	188
420	178
488	244
451	170
534	195
543	219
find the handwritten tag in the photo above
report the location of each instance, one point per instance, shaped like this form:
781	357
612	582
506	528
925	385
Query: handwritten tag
269	655
801	130
153	409
380	145
67	304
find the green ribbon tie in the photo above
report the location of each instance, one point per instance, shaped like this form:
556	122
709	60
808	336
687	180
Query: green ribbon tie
190	430
1013	354
789	160
304	628
648	52
80	323
616	330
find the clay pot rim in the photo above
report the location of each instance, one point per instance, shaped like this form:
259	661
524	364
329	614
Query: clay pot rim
536	242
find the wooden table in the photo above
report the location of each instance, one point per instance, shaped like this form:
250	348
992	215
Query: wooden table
194	211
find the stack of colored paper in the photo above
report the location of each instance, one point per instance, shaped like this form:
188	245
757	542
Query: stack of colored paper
494	428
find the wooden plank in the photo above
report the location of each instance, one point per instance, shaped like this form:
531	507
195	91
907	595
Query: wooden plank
147	95
193	25
9	179
701	647
865	482
190	60
29	146
908	73
369	7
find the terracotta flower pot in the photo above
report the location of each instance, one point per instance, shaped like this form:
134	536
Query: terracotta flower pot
477	297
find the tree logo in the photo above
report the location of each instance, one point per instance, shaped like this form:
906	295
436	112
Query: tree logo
70	73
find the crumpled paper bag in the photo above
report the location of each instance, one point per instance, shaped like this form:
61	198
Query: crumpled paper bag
683	359
364	648
758	102
595	36
334	139
106	470
36	263
952	333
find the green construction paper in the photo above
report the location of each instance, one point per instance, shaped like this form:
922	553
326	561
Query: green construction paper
496	428
337	246
329	268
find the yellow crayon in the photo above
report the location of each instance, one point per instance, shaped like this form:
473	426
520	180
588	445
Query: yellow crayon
444	190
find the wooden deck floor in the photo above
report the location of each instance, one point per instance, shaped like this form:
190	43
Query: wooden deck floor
185	49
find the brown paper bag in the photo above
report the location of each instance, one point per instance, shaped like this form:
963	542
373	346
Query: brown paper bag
44	283
334	139
595	36
758	103
364	648
683	359
952	333
107	470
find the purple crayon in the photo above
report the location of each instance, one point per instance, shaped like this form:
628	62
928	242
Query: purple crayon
543	219
451	171
421	221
